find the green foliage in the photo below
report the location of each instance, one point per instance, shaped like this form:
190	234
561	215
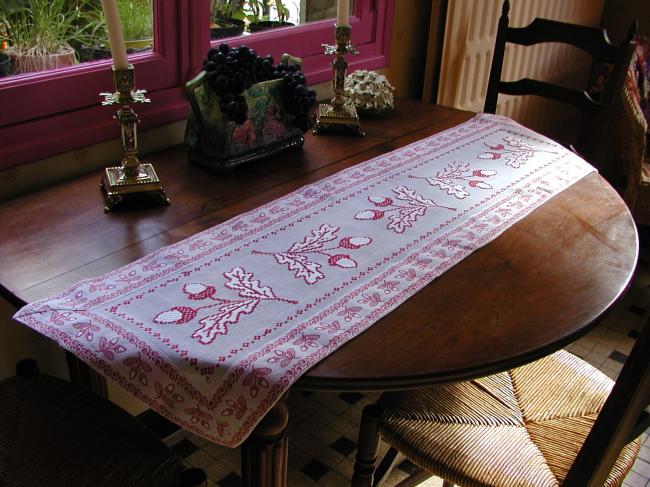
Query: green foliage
256	10
228	9
283	11
137	18
46	26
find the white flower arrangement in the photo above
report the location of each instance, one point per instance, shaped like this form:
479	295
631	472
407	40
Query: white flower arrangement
369	91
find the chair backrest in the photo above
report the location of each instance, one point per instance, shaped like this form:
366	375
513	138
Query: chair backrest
622	419
592	143
590	39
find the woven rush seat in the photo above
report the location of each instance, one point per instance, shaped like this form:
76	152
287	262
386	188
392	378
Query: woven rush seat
53	433
523	427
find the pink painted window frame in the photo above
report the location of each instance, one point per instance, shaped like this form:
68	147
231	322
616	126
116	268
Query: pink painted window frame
44	114
371	22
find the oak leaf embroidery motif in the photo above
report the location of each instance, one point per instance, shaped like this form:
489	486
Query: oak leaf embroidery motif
457	177
228	311
516	156
298	259
400	217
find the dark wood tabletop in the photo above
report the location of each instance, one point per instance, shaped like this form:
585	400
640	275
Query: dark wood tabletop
537	287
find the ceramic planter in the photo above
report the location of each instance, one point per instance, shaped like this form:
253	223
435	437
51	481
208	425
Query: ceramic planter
138	45
87	53
29	63
221	28
268	24
219	144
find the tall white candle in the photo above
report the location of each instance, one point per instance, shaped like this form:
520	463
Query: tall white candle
342	13
115	36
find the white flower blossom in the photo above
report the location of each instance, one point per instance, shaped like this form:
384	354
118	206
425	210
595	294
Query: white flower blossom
367	90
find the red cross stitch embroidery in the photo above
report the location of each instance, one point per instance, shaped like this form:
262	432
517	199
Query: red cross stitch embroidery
401	216
228	311
138	368
284	358
236	408
255	379
296	258
514	157
199	416
307	341
167	395
389	286
110	347
331	328
457	177
86	330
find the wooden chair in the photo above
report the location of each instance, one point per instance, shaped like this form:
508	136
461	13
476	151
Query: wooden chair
592	139
53	433
552	422
631	134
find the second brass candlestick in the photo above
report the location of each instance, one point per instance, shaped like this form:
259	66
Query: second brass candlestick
132	176
338	114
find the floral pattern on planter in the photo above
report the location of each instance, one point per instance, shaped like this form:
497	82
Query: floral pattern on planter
218	143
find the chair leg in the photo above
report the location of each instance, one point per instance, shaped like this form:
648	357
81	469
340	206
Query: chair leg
368	445
446	483
385	467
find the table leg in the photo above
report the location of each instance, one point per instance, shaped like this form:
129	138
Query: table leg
264	453
85	376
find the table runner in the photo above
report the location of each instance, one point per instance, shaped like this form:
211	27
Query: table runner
211	331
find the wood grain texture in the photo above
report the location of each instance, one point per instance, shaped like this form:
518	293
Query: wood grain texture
537	287
534	289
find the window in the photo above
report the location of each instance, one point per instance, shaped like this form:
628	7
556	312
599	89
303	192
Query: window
49	112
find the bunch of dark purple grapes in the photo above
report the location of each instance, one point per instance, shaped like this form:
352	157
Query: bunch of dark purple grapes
230	71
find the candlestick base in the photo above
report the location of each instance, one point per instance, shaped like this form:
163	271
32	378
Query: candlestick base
342	119
339	116
117	186
132	177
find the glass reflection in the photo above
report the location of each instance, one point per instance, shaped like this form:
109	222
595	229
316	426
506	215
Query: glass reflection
237	17
39	35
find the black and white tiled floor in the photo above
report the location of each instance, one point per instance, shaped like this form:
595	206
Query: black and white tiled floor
323	426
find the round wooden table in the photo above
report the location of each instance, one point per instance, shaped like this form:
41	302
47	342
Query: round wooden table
534	289
539	286
542	284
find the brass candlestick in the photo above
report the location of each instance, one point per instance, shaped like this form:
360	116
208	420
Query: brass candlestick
132	176
338	114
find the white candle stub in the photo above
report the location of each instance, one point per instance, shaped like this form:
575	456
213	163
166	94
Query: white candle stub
115	36
342	13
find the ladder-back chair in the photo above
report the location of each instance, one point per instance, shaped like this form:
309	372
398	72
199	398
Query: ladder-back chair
596	110
56	434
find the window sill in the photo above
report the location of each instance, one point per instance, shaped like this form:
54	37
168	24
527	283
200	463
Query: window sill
44	172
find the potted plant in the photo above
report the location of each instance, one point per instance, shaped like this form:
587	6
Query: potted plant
95	44
39	33
227	18
260	15
137	23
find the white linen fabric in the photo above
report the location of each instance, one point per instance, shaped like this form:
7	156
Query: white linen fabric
211	331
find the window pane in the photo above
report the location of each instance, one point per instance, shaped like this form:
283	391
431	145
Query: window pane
39	35
237	17
318	9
